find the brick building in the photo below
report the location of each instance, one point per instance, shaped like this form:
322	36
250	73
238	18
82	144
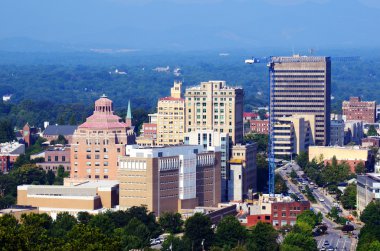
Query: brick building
260	126
9	153
276	210
56	157
355	109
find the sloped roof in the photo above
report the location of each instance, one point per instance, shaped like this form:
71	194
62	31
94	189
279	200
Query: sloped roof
60	130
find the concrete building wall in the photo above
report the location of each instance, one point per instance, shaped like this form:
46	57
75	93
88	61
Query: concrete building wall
169	179
304	87
368	189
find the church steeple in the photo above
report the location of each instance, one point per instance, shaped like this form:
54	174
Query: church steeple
128	118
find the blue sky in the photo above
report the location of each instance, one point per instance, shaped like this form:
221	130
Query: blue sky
195	24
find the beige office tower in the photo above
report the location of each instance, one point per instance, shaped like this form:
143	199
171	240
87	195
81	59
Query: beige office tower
171	118
216	106
294	134
302	85
170	178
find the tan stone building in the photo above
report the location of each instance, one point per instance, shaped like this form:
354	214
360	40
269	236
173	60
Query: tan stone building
89	196
98	142
171	118
243	172
302	85
294	134
169	178
216	106
352	155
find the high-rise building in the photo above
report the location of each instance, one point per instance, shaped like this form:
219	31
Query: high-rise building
355	109
170	178
302	85
216	106
98	142
171	118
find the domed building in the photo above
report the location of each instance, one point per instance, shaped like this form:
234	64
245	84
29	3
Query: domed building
98	142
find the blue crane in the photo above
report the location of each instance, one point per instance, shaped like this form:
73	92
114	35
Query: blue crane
271	61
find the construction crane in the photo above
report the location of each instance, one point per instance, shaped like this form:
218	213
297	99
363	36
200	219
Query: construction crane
271	61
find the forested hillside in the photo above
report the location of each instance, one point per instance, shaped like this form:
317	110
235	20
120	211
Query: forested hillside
65	92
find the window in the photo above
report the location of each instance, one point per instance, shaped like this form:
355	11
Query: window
96	176
283	214
97	156
97	170
105	156
49	158
118	150
105	163
105	170
105	176
63	158
88	156
105	150
56	158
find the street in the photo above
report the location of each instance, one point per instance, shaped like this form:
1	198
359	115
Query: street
333	237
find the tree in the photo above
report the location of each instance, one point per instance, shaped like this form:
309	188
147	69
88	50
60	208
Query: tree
348	198
230	232
84	217
263	237
302	159
360	168
262	114
310	218
173	243
371	214
261	140
198	228
37	221
171	222
103	222
301	241
293	174
50	177
280	185
303	228
84	237
64	223
6	131
262	173
372	131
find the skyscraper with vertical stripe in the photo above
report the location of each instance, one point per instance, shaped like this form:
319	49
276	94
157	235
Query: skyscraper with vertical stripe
303	86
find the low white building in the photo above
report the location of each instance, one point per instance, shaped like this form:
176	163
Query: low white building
368	189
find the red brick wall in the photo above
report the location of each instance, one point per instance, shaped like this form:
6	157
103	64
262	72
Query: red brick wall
260	126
